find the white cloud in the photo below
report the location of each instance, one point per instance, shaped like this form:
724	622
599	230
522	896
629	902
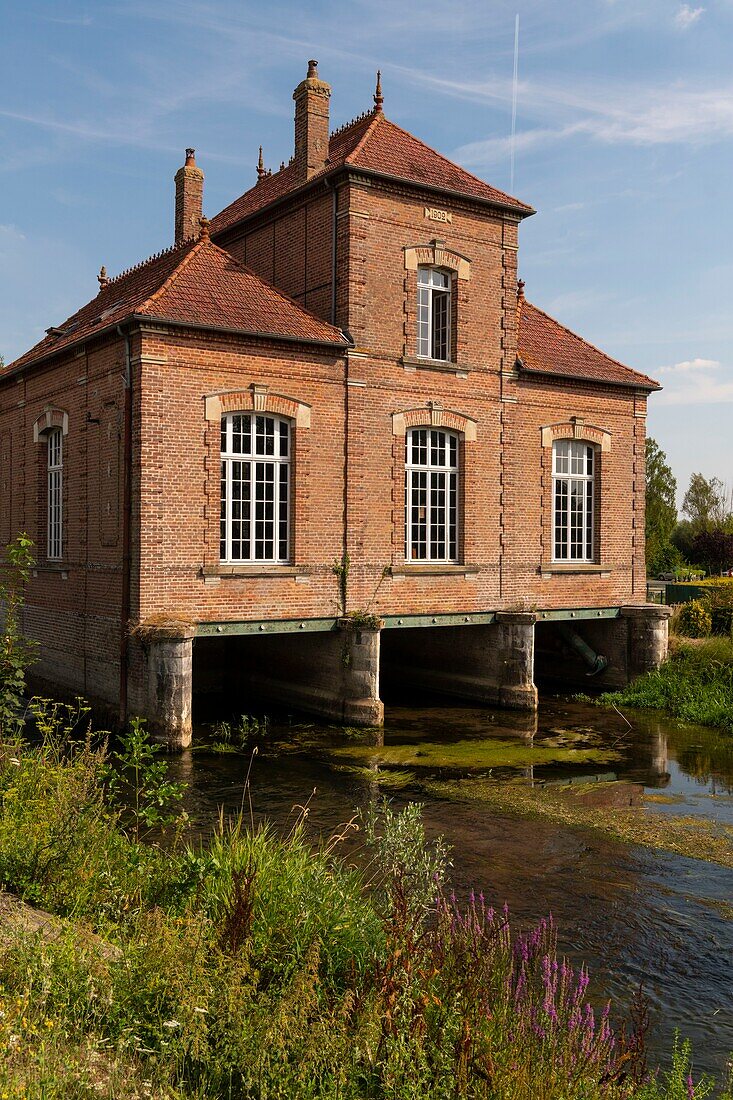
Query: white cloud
687	16
696	382
684	111
688	365
11	231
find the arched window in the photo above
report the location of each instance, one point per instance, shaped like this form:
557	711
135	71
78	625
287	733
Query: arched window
255	488
573	495
433	313
431	495
54	493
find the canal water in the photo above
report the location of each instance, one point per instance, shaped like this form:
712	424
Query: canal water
637	916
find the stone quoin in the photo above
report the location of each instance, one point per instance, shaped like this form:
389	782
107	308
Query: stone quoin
325	438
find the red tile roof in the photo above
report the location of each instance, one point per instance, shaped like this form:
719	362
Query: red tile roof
374	144
196	283
547	347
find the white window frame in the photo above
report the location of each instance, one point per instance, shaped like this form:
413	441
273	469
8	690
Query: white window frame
432	507
433	284
574	500
54	494
243	538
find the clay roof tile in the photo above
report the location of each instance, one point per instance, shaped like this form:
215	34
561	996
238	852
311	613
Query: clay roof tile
194	283
548	348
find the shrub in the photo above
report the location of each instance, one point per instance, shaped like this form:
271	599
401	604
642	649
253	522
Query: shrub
695	684
695	619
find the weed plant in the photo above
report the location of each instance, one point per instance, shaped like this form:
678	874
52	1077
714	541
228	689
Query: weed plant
695	684
246	731
262	967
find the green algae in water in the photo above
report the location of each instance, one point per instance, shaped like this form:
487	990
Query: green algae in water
392	779
694	837
473	755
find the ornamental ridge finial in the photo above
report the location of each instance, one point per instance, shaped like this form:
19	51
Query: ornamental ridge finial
520	289
102	278
261	173
378	97
204	231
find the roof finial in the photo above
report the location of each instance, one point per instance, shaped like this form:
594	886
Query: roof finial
378	97
520	289
261	173
190	158
205	229
102	277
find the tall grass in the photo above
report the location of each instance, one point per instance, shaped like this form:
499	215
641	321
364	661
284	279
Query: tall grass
695	684
264	967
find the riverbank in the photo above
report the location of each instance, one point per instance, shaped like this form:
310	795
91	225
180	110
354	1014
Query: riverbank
262	967
694	684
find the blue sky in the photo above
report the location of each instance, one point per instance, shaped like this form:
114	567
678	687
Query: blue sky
624	128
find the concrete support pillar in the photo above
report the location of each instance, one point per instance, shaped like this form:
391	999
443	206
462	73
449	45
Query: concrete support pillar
648	637
162	689
360	674
515	642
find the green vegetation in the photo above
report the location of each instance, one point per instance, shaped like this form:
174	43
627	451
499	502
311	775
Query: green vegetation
570	805
695	684
259	967
241	734
478	755
661	511
16	652
694	619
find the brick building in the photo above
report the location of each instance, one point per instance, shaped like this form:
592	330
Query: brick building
322	433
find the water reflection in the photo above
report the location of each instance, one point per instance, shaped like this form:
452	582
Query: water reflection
635	915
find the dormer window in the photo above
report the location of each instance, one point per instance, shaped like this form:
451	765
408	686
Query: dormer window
434	313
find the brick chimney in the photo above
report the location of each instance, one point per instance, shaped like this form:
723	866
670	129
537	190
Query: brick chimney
311	124
189	199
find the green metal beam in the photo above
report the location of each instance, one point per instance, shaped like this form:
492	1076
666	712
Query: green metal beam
468	618
264	626
391	622
568	613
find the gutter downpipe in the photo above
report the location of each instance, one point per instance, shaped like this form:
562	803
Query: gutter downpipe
126	526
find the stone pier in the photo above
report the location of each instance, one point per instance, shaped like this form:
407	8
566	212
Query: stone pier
648	637
160	685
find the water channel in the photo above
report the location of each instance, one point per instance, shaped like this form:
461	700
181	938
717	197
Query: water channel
637	915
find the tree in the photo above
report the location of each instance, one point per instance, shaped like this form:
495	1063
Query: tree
705	504
713	549
661	509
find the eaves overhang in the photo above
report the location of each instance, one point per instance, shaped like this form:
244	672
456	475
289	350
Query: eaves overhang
140	318
557	376
352	171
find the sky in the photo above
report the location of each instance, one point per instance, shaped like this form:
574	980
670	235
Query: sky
624	129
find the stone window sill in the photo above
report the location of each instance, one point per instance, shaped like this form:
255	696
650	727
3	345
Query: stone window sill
432	570
217	572
575	568
443	366
51	567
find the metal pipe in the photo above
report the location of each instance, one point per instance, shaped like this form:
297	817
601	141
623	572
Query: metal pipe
595	662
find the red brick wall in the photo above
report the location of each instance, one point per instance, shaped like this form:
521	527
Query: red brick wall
179	489
72	607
